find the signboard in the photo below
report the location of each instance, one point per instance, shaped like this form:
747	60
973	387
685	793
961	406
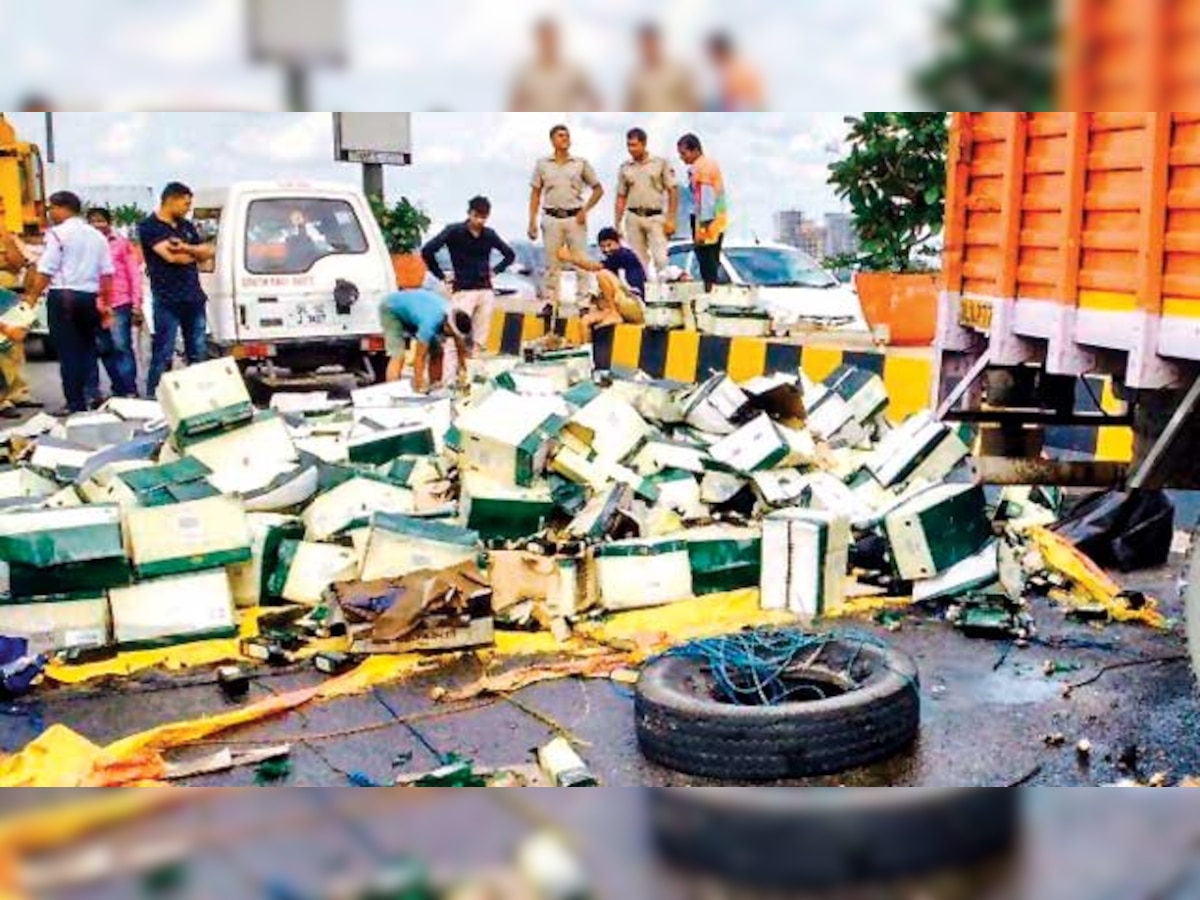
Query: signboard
381	138
976	313
298	32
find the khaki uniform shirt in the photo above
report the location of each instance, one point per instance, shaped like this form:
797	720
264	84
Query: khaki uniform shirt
562	186
645	185
666	88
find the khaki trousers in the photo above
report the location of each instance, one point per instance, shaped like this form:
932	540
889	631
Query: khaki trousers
559	233
14	387
479	305
647	236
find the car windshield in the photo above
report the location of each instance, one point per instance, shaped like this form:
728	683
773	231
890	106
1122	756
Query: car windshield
290	236
778	267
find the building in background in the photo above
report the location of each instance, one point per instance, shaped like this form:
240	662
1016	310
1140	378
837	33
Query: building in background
793	229
840	237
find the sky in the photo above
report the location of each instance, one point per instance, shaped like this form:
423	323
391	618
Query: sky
772	161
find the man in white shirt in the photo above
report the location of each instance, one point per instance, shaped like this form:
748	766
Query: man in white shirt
77	268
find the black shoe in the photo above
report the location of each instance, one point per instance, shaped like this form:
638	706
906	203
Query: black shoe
10	412
29	404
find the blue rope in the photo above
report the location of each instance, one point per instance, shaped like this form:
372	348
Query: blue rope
758	667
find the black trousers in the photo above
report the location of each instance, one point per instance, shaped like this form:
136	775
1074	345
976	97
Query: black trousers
74	322
708	257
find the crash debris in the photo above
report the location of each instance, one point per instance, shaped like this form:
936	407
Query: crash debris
545	495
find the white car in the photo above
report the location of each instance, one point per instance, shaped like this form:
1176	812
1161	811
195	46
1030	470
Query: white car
791	285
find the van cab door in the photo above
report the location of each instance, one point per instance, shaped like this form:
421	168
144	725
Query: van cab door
310	267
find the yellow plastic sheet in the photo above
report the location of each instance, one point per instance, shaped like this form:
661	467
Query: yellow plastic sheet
60	757
1090	583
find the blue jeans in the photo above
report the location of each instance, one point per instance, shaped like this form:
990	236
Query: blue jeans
117	354
74	324
169	320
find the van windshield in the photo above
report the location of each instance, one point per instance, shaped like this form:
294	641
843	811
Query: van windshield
290	236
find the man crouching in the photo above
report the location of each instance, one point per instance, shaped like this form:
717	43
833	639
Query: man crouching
424	316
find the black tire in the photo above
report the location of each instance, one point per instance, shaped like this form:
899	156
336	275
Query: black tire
682	726
813	839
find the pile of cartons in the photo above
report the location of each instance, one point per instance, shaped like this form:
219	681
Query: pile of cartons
563	492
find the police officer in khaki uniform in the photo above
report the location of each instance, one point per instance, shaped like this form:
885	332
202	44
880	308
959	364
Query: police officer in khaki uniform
558	185
647	202
14	385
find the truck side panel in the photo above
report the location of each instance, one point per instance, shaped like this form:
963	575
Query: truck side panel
1069	234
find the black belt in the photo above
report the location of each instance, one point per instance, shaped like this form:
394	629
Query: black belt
563	213
646	213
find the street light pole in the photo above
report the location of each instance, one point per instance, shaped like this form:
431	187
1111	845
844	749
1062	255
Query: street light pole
50	157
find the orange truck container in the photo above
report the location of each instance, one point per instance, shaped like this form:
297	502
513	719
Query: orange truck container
1073	249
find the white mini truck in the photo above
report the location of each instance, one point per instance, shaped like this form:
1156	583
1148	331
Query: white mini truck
295	286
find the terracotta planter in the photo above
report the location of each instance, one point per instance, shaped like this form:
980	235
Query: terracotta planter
905	303
410	270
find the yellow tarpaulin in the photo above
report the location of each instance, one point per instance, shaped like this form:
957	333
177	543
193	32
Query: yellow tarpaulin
62	758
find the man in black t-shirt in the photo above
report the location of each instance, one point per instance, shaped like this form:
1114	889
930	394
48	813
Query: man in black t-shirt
174	250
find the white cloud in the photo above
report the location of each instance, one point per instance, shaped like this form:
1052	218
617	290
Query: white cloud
124	135
305	138
178	156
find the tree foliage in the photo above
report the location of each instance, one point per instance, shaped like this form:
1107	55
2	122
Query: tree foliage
404	224
894	179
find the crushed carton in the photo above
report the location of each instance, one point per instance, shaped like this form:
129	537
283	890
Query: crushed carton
501	512
396	546
351	504
761	444
724	558
250	580
248	458
717	406
304	571
611	427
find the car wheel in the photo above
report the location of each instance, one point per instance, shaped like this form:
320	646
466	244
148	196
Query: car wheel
868	711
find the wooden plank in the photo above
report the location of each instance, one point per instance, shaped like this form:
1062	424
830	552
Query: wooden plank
957	189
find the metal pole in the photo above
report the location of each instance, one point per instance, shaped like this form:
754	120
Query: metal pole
297	88
50	157
373	180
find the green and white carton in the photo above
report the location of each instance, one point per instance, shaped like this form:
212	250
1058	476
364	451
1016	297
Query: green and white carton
761	444
248	458
508	437
376	447
53	624
177	482
805	560
901	452
658	454
610	426
597	517
643	573
971	574
25	484
176	610
188	537
351	505
656	400
204	399
501	512
731	321
937	529
59	458
305	570
289	491
724	558
714	405
399	545
679	491
863	390
249	581
61	551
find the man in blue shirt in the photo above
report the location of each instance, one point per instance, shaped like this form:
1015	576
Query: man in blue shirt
174	250
618	259
423	316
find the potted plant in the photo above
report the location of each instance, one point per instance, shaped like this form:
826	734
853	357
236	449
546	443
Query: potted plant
404	226
894	179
